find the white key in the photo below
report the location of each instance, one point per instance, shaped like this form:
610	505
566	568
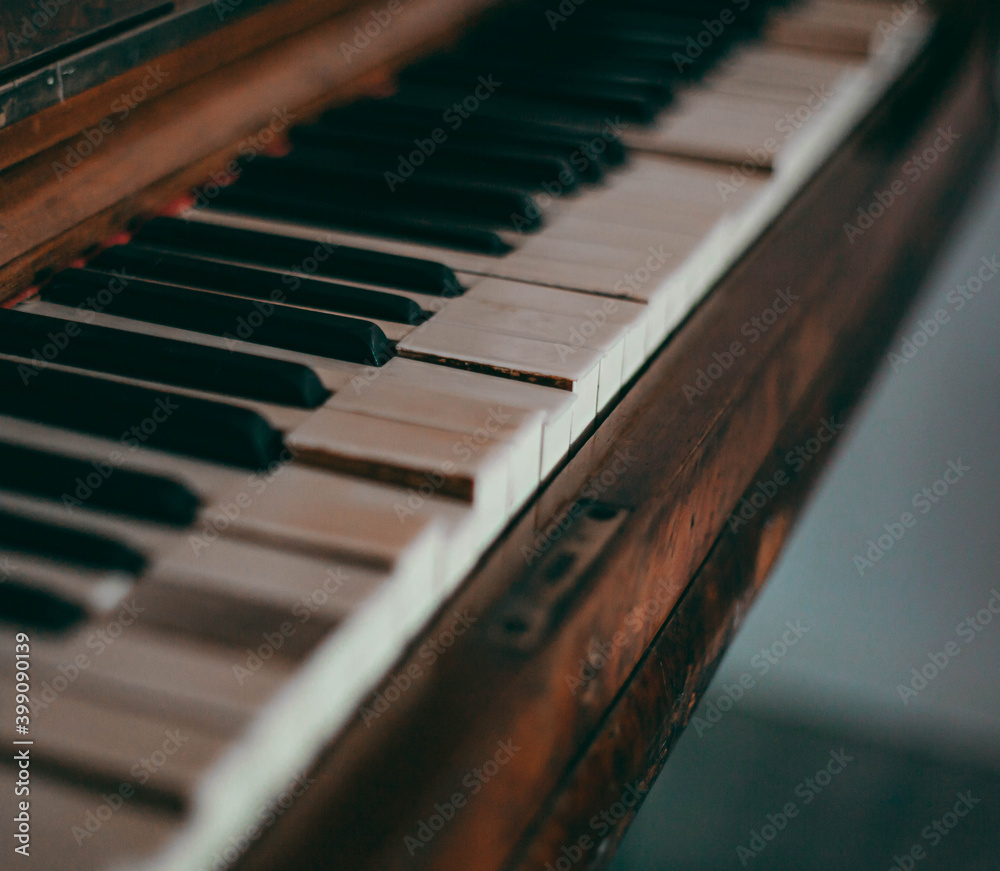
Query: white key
153	673
157	756
74	826
573	369
556	405
588	313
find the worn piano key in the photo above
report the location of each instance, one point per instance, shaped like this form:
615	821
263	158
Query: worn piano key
272	322
123	352
243	280
520	113
138	415
590	315
567	333
331	260
408	121
528	359
556	405
634	102
350	380
407	454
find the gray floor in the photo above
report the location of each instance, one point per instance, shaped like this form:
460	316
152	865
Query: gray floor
868	628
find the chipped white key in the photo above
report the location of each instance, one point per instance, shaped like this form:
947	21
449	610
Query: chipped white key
556	405
573	369
408	454
593	317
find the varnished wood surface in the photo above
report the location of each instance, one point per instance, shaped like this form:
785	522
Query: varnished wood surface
178	136
685	467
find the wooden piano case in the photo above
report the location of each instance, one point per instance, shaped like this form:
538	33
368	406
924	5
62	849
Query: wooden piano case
592	627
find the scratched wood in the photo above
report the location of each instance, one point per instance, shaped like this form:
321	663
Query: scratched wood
681	468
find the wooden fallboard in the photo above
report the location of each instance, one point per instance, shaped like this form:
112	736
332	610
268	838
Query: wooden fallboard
79	172
667	592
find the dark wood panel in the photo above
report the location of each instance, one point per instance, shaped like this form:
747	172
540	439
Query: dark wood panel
681	469
36	31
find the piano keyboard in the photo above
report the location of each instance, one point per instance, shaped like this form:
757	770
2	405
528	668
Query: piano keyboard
248	452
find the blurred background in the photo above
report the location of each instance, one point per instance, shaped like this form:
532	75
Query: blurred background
884	767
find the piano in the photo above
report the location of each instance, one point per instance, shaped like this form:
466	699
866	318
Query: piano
403	402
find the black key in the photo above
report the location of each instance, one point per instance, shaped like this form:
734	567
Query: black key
169	361
30	607
249	281
339	179
64	545
266	323
634	102
271	249
523	113
401	117
98	485
490	161
139	416
427	227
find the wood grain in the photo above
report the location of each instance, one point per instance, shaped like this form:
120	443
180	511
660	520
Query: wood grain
682	468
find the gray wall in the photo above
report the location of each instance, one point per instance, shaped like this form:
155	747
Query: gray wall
866	632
